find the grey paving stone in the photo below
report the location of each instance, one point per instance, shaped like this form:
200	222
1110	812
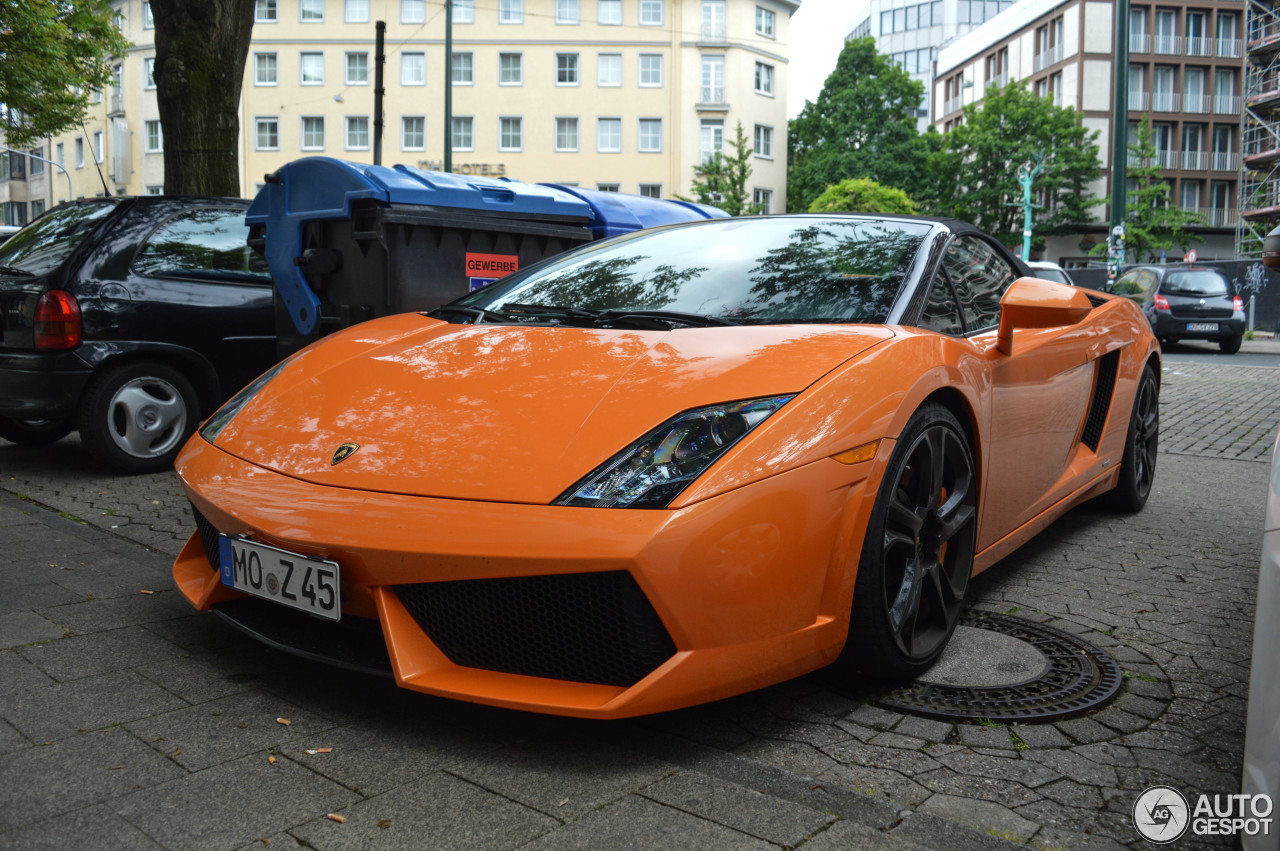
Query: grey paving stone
875	717
1008	793
1145	707
21	628
1076	765
90	655
45	781
846	835
11	739
62	709
909	762
1121	721
435	810
99	615
985	737
568	780
924	728
771	819
19	675
1041	735
792	756
95	826
232	804
202	677
1086	730
23	594
1027	773
894	740
877	782
935	832
226	729
1054	839
1072	794
982	816
639	823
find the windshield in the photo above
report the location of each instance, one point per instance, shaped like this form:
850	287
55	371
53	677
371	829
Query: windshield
1055	275
1198	282
743	271
44	244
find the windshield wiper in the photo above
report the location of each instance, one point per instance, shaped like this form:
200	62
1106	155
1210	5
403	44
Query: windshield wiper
14	270
667	317
477	314
516	309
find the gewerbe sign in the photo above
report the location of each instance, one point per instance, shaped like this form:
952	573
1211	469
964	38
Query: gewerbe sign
483	169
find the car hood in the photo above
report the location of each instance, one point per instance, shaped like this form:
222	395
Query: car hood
510	413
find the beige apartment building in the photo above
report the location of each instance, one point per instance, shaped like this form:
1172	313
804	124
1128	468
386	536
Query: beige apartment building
622	95
1185	68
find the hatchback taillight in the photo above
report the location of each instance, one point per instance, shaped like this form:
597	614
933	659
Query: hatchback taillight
58	324
1162	303
1237	303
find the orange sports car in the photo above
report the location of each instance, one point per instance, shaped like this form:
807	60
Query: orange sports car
672	466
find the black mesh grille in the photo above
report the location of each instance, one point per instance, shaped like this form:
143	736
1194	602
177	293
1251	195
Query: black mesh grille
208	537
1101	400
583	627
1095	300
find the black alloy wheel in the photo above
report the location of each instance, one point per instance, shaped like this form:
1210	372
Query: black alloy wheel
917	556
1138	464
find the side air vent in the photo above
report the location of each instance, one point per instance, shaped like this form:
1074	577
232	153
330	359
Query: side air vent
1101	403
1095	300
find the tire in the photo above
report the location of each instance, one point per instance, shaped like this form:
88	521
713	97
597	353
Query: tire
1138	464
135	417
917	557
1171	341
35	432
1230	345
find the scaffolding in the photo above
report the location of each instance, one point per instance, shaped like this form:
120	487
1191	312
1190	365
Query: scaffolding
1260	128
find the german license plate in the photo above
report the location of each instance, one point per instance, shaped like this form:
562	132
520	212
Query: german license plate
297	581
1202	326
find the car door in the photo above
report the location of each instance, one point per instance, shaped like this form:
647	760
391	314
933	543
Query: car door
1039	395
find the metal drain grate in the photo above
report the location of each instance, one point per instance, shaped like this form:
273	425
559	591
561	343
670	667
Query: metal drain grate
1079	678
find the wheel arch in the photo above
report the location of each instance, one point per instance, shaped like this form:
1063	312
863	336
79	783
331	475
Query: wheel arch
194	366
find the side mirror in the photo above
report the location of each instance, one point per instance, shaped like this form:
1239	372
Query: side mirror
1036	303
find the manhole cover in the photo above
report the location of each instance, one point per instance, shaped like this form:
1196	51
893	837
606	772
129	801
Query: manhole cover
1024	672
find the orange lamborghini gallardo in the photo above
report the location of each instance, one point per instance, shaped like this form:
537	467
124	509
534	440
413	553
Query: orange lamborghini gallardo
670	467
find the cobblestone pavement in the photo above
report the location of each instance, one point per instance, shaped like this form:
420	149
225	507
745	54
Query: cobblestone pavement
130	721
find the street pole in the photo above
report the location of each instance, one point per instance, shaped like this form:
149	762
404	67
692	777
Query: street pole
379	59
448	86
1026	176
1119	142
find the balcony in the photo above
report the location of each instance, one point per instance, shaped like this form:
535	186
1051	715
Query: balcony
1199	46
713	99
1196	103
117	102
1165	102
1139	101
1223	161
1226	104
1220	218
999	81
952	105
713	31
1230	48
1195	160
1139	43
1167	159
1170	45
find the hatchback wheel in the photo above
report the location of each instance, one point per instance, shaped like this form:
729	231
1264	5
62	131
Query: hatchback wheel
135	417
1230	345
917	556
35	432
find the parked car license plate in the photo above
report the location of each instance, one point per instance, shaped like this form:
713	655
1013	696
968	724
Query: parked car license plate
1202	326
297	581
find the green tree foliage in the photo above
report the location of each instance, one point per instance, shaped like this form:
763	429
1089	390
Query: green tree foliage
862	195
973	169
722	180
862	125
1152	223
52	55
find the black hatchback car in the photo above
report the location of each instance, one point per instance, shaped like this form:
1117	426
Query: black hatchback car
129	319
1185	302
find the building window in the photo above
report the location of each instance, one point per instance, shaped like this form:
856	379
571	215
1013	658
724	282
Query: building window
311	11
265	12
61	156
566	134
510	134
312	67
566	69
15	213
464	11
463	73
413	69
609	12
762	199
79	153
711	139
37	209
37	165
357	69
355	11
510	69
609	69
155	137
765	22
650	190
608	187
652	14
97	147
650	136
568	11
313	133
266	71
651	69
713	17
511	11
159	190
413	133
149	72
148	19
413	11
357	133
764	79
461	136
266	134
17	165
764	142
609	135
713	78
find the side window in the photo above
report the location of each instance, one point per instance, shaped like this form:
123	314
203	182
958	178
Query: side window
205	243
980	277
941	313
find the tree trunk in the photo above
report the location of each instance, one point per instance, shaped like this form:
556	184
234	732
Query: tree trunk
201	47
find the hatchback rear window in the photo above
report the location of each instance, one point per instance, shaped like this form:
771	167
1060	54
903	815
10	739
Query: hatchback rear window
43	245
1197	282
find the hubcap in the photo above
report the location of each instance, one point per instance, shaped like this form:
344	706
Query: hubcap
146	417
927	553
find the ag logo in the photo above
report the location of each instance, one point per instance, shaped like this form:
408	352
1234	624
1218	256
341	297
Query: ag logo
1161	814
344	452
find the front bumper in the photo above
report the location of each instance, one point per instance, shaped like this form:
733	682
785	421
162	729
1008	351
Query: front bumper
41	385
750	587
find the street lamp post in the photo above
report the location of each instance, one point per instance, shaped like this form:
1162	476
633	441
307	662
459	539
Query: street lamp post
1119	142
448	86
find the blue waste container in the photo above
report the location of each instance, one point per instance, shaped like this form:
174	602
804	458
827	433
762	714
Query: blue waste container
347	242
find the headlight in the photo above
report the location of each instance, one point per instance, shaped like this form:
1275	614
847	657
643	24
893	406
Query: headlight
651	472
216	423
